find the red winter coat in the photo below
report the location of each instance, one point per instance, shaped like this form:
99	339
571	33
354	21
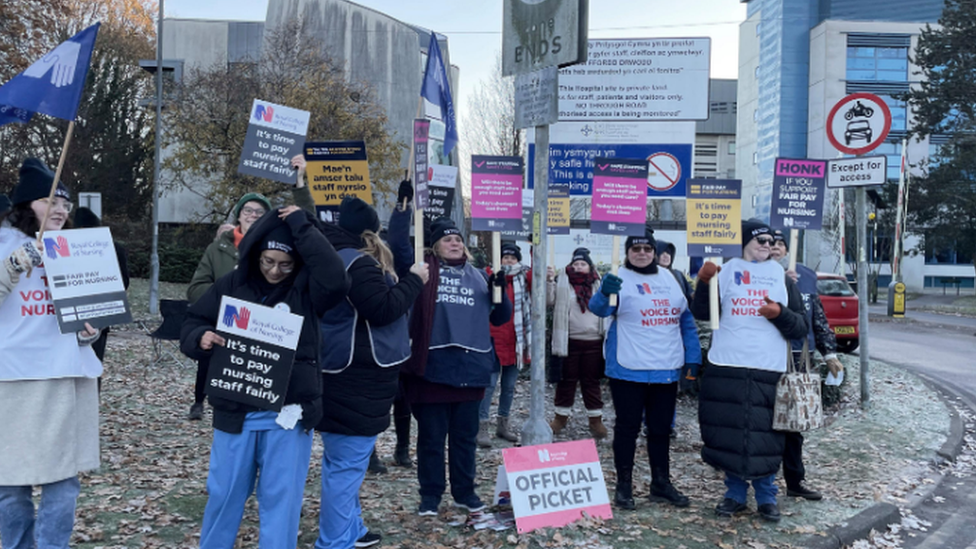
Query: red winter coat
504	335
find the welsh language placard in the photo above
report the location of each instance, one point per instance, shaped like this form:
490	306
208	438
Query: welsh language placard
335	170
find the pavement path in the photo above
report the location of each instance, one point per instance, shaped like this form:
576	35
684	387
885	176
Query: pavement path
940	348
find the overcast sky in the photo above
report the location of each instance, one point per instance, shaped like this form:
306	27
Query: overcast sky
473	27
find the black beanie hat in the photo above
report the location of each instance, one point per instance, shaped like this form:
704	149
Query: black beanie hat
648	238
85	218
4	204
582	254
511	248
751	228
279	239
356	216
441	227
778	237
35	182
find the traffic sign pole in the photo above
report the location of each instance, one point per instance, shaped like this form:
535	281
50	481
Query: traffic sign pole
862	295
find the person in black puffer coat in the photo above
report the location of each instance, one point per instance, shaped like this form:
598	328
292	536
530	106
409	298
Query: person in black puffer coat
365	339
761	311
285	263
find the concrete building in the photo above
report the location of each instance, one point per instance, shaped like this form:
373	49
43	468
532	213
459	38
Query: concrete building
375	48
797	58
715	138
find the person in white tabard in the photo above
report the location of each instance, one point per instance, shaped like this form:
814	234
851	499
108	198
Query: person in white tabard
761	311
48	380
652	337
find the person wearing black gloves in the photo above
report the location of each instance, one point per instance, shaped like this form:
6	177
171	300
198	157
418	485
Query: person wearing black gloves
450	365
365	339
651	313
285	263
761	311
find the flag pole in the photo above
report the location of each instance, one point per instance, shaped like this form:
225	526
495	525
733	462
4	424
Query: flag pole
57	177
418	213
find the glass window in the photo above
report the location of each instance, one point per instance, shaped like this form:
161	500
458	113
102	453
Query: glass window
836	287
877	64
732	147
899	113
935	156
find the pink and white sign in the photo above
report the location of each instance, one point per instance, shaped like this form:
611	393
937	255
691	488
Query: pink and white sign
553	484
619	197
496	193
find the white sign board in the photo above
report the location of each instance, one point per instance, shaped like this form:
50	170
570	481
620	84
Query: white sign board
542	33
862	171
638	79
537	98
858	123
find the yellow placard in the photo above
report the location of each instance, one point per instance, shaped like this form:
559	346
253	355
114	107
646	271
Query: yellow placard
558	220
337	169
714	218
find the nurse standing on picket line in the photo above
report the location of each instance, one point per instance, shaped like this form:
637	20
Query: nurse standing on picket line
48	380
652	337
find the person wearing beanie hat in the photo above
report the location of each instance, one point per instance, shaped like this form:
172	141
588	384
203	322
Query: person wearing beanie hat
286	264
511	341
450	364
761	312
48	380
652	312
577	339
365	339
221	257
819	336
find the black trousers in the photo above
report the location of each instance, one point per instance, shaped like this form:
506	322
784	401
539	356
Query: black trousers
201	383
793	471
632	402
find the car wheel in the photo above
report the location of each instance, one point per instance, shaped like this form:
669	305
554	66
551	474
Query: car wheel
847	139
847	345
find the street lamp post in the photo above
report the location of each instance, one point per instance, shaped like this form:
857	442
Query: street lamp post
154	256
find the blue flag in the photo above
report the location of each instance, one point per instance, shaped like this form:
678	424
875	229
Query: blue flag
437	90
53	84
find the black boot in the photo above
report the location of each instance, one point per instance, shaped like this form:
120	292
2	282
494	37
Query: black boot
375	465
663	491
401	456
623	495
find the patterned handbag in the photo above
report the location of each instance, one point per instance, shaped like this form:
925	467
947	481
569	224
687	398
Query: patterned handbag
798	405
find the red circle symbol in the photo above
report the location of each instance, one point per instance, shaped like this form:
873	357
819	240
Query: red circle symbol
664	171
857	112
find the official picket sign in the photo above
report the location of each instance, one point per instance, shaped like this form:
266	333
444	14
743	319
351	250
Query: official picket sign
442	181
84	279
798	194
275	134
619	199
714	218
551	485
863	171
558	219
335	170
646	79
496	193
254	365
421	131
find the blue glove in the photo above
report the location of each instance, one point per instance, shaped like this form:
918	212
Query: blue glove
611	284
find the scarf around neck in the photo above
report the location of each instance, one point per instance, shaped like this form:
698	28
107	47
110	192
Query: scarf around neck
582	284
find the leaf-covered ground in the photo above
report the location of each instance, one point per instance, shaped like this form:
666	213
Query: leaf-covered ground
150	491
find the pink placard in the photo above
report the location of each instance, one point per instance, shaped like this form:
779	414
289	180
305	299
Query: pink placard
496	193
619	199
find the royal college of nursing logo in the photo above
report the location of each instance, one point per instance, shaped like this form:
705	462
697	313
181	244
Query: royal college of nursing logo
644	289
742	277
55	249
262	112
232	317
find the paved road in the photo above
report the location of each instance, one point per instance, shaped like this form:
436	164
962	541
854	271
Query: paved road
941	348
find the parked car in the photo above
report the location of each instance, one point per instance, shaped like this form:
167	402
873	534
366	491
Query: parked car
840	306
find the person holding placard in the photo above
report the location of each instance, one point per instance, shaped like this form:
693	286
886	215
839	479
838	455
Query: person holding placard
821	337
450	365
761	310
651	339
577	335
365	339
285	263
48	380
220	258
511	342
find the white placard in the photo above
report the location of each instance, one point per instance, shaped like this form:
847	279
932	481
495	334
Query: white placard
861	171
275	326
638	79
279	117
81	262
439	175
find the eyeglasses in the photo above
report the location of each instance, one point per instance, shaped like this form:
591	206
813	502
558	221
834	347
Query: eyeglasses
642	249
247	210
285	267
765	241
59	203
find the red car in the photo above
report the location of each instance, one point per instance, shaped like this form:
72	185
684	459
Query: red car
840	306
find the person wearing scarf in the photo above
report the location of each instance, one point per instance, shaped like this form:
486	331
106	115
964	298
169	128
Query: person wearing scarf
577	335
450	365
511	341
651	339
761	310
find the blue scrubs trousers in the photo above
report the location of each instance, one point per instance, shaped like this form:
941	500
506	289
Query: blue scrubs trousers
282	457
344	462
738	489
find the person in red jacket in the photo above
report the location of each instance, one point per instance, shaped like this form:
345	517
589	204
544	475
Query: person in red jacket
511	342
